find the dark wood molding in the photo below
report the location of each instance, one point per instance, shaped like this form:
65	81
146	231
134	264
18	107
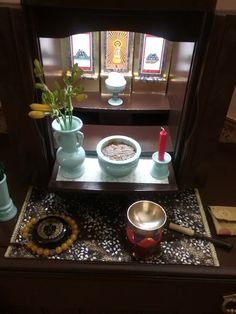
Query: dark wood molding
213	94
174	25
17	92
169	5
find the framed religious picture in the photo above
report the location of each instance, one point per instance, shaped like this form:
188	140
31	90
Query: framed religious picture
152	53
116	51
84	51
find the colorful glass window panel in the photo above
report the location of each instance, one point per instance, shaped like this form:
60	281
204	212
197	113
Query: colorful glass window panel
117	51
152	54
82	52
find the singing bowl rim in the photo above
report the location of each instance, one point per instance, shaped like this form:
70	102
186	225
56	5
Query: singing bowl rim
138	226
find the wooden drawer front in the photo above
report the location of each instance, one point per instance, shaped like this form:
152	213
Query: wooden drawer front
115	294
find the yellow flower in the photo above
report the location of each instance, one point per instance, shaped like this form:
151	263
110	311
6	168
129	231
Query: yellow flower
40	107
81	97
57	103
36	114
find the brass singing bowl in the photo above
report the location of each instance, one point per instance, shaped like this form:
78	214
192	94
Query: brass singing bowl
146	217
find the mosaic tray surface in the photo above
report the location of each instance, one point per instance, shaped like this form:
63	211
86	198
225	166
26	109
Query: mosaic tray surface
102	219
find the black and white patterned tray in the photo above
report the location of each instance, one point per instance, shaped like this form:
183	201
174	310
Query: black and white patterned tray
102	221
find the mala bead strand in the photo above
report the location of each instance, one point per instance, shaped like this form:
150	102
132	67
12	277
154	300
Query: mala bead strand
35	249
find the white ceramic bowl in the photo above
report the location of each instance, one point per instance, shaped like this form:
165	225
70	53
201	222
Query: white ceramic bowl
118	168
115	82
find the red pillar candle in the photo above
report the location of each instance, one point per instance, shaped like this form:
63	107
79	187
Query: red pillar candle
162	144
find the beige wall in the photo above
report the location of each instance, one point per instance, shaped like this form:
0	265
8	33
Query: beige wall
226	5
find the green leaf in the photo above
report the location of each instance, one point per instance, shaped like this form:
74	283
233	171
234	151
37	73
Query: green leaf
60	98
41	86
78	90
38	70
57	85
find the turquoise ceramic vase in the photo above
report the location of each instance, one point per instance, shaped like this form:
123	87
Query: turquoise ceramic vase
7	208
70	153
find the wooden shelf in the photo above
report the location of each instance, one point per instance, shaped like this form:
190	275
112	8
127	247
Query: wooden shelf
111	187
147	136
136	103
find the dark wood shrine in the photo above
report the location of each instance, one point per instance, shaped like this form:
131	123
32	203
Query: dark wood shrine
197	106
197	100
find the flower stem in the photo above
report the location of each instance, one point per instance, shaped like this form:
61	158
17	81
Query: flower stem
70	109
